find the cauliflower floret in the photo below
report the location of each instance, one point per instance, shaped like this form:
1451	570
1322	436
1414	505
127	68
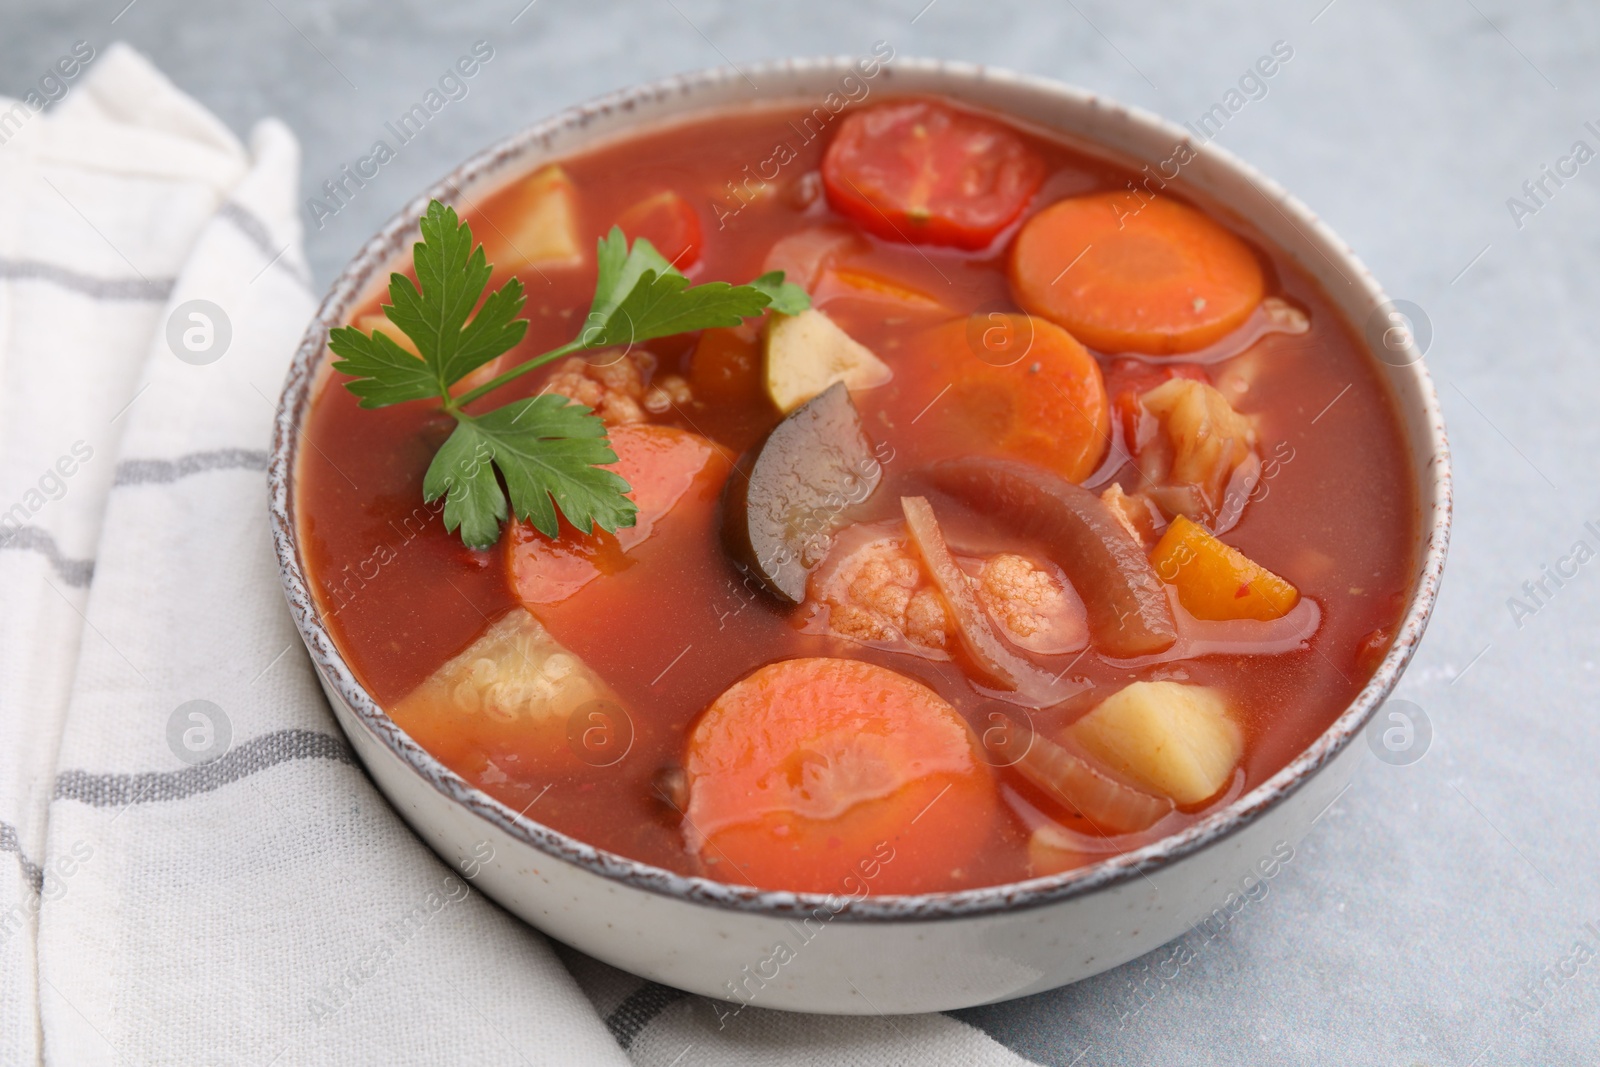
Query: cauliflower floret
875	589
878	593
1035	609
670	391
1284	317
927	621
618	386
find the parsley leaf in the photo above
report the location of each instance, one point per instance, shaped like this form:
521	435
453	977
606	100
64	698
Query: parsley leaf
453	274
640	296
382	373
547	449
786	298
546	452
618	269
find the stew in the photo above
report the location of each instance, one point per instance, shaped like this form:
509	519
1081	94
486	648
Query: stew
1060	517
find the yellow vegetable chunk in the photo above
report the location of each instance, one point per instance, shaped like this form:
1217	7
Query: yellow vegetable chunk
1174	739
806	353
515	707
1217	581
538	226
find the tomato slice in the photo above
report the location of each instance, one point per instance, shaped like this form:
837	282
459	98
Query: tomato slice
925	173
669	222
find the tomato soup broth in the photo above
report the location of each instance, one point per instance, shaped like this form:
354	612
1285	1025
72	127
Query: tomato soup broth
669	621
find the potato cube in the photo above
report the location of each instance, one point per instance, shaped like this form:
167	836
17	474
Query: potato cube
538	227
1175	739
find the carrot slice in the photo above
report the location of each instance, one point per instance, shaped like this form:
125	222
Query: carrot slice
1216	580
731	403
1158	279
1020	386
663	466
836	776
726	367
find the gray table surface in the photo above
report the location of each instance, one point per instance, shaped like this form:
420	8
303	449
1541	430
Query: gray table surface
1414	920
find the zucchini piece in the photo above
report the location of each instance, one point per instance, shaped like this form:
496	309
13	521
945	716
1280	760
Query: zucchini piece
808	352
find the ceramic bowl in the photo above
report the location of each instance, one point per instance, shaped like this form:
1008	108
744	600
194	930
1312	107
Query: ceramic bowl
885	954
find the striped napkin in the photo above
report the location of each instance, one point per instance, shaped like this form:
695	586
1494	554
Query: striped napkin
196	871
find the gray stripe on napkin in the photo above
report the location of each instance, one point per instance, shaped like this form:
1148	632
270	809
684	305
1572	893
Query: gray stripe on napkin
161	471
256	754
630	1017
154	289
74	572
10	842
256	232
247	224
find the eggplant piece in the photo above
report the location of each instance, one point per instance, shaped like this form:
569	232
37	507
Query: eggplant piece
789	493
1129	614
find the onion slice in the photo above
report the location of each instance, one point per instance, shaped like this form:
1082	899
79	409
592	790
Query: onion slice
1110	806
1003	668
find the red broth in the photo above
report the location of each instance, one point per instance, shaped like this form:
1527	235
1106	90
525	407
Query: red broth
1336	513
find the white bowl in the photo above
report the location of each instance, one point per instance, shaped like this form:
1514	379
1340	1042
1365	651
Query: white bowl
878	954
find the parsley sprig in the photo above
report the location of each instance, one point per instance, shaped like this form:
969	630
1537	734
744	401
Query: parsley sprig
549	452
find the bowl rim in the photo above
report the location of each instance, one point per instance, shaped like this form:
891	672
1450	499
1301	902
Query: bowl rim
355	281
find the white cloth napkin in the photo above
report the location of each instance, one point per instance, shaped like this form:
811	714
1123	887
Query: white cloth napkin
266	906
